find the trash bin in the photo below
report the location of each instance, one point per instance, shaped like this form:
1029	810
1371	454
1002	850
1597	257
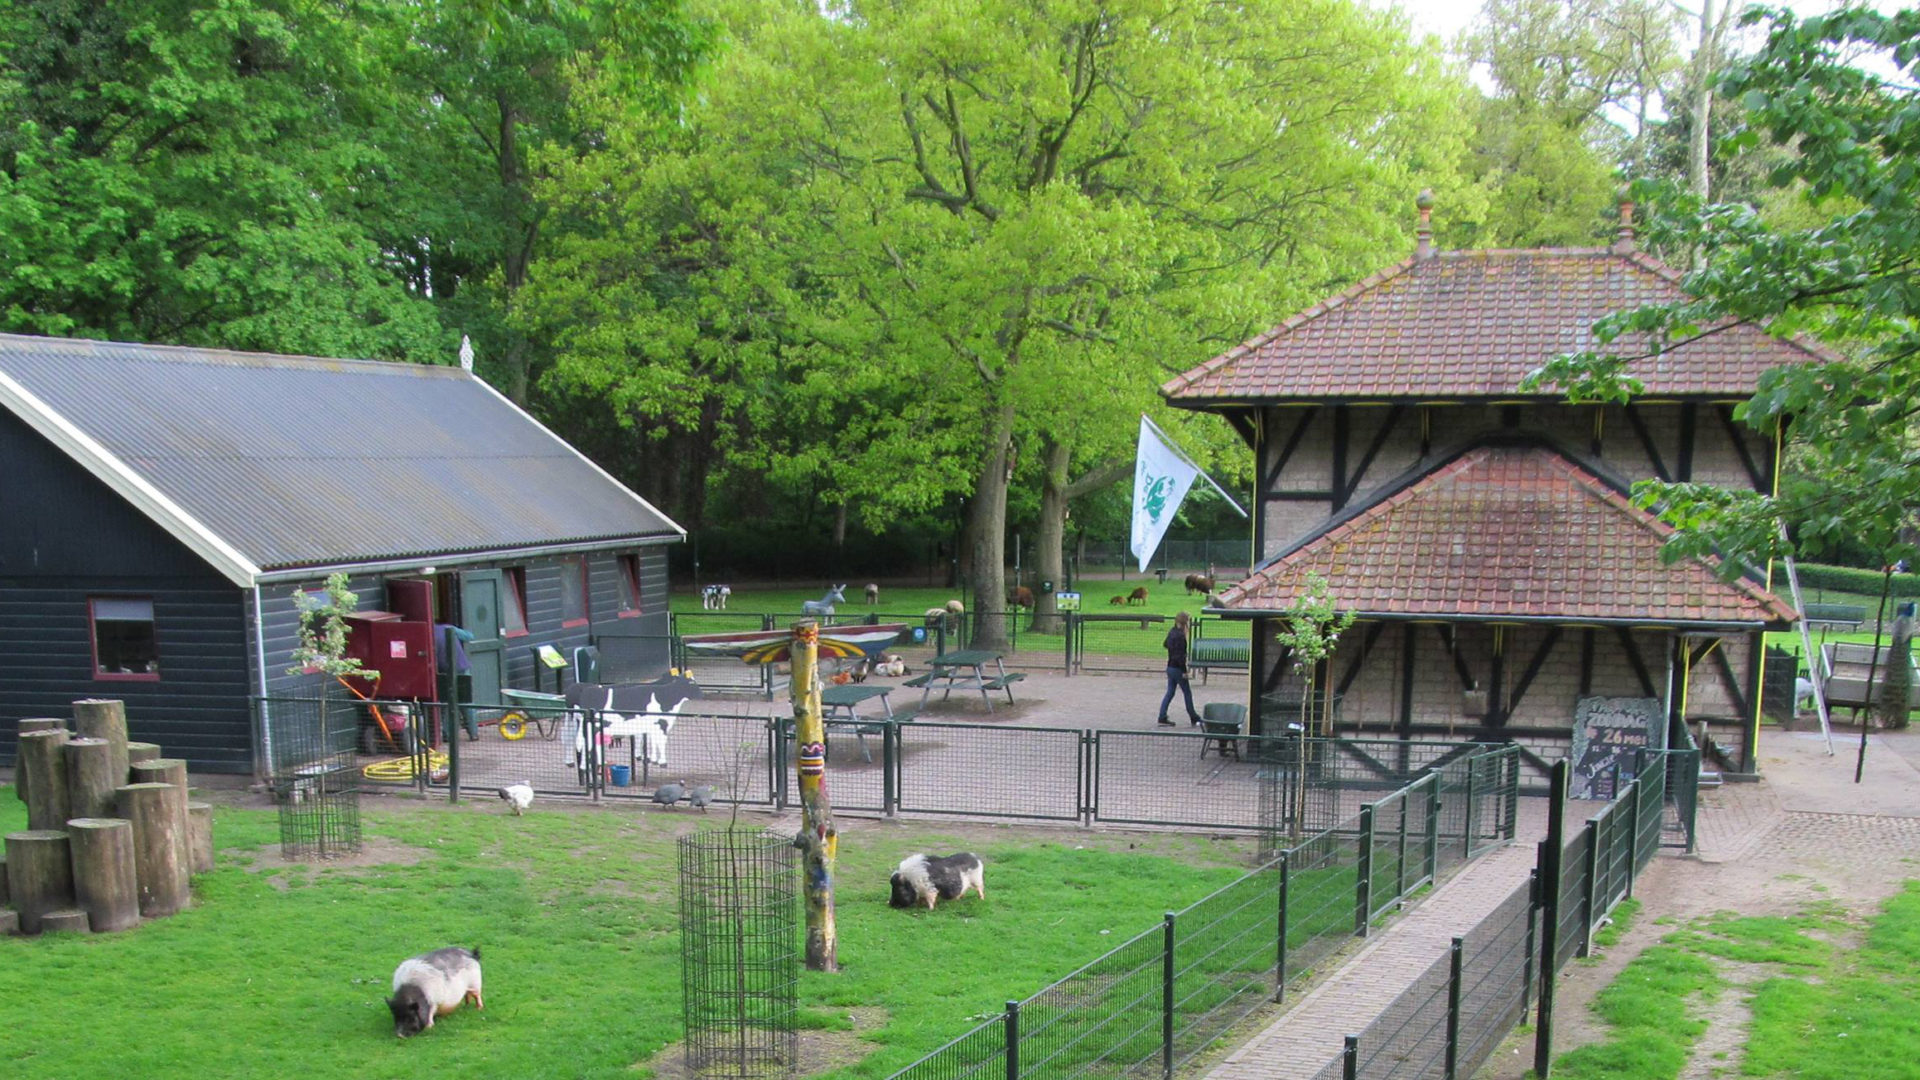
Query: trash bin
621	774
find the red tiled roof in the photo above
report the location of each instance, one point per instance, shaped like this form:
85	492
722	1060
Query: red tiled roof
1514	532
1473	324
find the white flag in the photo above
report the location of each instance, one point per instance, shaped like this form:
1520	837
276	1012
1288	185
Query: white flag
1161	480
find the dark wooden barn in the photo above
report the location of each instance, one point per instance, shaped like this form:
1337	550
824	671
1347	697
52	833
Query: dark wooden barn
164	509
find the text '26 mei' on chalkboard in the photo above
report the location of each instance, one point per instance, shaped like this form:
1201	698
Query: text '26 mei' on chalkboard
1606	734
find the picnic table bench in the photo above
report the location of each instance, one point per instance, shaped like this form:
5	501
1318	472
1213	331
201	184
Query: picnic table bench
966	669
1233	654
839	711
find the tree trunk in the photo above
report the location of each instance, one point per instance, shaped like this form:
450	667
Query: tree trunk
104	884
839	526
515	247
104	718
818	840
987	531
1703	61
64	921
42	760
91	779
39	875
1054	458
200	837
159	869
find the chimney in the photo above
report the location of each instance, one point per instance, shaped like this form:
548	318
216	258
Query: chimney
1623	238
1423	234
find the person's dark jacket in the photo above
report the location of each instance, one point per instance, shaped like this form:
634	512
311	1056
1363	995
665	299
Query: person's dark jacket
1176	644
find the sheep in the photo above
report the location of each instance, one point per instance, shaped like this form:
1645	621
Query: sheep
1139	594
1199	583
956	607
873	593
1117	601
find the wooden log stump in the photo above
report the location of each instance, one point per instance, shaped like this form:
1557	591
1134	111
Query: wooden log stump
168	771
159	848
32	723
104	882
39	875
9	921
200	837
41	761
159	771
91	779
104	718
142	751
68	920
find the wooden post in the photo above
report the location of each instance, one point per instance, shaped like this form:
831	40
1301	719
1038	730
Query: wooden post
66	920
41	761
818	841
32	723
159	864
142	751
104	884
172	771
103	718
39	875
9	922
200	837
91	779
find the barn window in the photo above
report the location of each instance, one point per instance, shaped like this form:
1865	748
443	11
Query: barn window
573	592
513	606
124	647
629	586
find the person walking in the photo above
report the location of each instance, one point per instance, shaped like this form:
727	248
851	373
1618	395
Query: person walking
1176	645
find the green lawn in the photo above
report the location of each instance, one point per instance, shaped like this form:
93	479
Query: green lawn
281	971
1824	1011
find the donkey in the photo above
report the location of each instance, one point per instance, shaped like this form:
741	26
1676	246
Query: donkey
824	605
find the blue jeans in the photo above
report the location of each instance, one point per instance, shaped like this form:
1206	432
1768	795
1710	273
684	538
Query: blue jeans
1177	680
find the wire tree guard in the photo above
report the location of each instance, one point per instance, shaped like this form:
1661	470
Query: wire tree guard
739	953
315	782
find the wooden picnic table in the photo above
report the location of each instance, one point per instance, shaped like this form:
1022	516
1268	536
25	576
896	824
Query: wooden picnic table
839	710
966	669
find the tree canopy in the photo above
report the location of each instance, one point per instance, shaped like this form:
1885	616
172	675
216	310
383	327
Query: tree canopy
1842	143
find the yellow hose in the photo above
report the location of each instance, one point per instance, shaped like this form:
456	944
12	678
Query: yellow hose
400	770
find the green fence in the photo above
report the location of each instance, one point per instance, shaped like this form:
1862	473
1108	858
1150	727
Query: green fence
1171	991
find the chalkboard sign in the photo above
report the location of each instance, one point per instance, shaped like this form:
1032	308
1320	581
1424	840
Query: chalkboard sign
1606	732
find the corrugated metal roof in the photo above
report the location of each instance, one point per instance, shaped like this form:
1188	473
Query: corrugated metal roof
296	461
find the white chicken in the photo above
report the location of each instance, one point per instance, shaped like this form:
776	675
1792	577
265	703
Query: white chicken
518	796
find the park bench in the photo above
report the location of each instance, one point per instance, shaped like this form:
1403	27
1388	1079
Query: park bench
1233	654
1005	682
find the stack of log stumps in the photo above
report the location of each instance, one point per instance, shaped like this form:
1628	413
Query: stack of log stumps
111	837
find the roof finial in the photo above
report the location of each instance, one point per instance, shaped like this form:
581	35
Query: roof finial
1623	238
1423	248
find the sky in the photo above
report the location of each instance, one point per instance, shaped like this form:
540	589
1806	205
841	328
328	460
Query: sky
1448	17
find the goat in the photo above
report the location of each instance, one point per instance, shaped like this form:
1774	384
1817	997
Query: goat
824	606
1117	601
1138	594
873	593
714	597
1020	597
956	607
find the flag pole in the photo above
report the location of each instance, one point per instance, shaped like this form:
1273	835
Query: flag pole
1167	441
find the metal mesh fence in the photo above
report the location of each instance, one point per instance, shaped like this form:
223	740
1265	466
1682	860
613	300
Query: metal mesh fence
989	770
1180	777
1224	958
1320	881
1102	1020
311	745
980	1054
740	956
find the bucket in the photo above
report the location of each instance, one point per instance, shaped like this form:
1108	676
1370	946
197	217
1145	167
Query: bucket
621	774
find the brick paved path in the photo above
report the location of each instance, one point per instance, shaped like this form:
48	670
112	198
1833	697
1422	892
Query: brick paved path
1303	1041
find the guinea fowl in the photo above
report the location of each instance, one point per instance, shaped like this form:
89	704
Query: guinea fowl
701	796
668	794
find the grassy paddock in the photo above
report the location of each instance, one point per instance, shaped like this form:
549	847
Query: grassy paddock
1823	1012
1102	638
280	970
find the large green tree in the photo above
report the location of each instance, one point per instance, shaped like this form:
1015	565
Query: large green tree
901	241
201	174
1849	278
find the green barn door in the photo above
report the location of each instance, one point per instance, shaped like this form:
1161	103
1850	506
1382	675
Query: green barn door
480	616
